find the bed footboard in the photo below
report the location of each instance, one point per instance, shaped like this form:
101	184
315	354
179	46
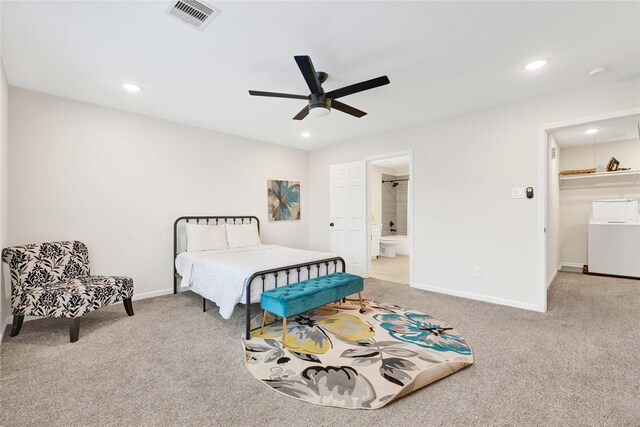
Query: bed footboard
293	275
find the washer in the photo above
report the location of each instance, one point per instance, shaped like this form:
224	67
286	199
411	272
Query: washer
614	238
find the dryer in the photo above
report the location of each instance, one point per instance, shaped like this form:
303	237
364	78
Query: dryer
614	238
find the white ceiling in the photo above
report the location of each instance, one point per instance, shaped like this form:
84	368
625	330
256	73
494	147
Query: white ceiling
443	58
623	129
399	164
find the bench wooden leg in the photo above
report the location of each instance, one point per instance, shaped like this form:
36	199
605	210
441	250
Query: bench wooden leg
284	330
361	304
264	319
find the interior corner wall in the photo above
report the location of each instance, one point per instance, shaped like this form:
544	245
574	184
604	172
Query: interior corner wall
117	181
553	207
5	290
463	172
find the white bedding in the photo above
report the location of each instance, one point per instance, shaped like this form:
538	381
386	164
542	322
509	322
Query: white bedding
220	275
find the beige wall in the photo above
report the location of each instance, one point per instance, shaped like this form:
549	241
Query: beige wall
577	195
553	208
464	170
117	181
598	155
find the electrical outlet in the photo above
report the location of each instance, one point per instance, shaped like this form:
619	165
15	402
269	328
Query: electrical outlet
478	271
517	193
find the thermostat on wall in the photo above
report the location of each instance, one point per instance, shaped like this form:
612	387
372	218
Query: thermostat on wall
529	192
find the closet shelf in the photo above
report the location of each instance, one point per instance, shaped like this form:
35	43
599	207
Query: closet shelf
634	173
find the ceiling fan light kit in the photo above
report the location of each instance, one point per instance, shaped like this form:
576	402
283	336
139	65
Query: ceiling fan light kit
319	102
319	105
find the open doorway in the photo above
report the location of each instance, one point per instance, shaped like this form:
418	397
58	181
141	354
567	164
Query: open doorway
593	191
389	217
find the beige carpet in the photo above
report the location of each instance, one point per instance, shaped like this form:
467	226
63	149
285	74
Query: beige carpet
171	364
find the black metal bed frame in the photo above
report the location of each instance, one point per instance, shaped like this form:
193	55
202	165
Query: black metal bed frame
286	270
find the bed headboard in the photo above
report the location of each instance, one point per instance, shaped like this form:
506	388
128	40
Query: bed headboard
179	230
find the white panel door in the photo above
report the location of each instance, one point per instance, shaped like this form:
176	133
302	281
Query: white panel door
348	211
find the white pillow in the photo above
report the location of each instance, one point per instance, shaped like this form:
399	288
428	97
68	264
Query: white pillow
206	237
242	235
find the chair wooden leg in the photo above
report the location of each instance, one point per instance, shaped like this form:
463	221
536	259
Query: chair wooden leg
361	304
16	325
204	304
284	330
74	329
128	306
264	319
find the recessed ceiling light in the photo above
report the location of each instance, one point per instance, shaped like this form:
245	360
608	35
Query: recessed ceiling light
131	87
305	134
535	65
591	131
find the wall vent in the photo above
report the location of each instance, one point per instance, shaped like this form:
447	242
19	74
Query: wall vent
195	13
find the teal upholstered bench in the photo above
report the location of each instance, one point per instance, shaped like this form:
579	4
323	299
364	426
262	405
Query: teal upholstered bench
302	296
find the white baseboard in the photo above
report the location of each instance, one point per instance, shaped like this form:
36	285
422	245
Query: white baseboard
151	294
9	319
479	297
570	264
553	276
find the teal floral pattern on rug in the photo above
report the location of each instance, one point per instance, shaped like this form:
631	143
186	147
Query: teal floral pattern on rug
420	329
337	356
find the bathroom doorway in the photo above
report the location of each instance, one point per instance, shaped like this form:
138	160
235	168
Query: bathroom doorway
389	217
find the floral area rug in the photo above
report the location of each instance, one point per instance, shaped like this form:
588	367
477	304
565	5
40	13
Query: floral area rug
337	356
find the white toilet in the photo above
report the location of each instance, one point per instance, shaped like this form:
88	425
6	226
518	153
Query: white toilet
388	246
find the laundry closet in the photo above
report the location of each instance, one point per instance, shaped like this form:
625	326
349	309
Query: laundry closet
594	197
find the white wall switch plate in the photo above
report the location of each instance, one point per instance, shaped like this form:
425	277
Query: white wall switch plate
477	271
517	193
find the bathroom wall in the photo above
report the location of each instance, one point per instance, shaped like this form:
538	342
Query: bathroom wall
375	189
394	205
402	202
389	206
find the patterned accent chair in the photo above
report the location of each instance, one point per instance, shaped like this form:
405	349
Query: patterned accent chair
53	280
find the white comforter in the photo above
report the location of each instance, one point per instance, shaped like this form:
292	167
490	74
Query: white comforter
220	276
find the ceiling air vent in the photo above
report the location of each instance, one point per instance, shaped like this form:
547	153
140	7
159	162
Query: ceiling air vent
195	13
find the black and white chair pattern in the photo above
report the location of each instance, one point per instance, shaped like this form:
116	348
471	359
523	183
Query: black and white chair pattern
54	280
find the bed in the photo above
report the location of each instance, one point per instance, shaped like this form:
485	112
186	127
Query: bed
232	275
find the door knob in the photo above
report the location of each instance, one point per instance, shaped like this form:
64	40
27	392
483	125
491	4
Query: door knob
331	225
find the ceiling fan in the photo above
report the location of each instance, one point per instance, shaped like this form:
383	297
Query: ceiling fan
321	103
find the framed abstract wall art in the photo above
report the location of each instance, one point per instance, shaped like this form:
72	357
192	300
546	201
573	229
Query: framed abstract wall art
283	200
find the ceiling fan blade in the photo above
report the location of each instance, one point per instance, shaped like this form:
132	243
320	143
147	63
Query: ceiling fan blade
302	114
358	87
277	95
347	108
309	73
